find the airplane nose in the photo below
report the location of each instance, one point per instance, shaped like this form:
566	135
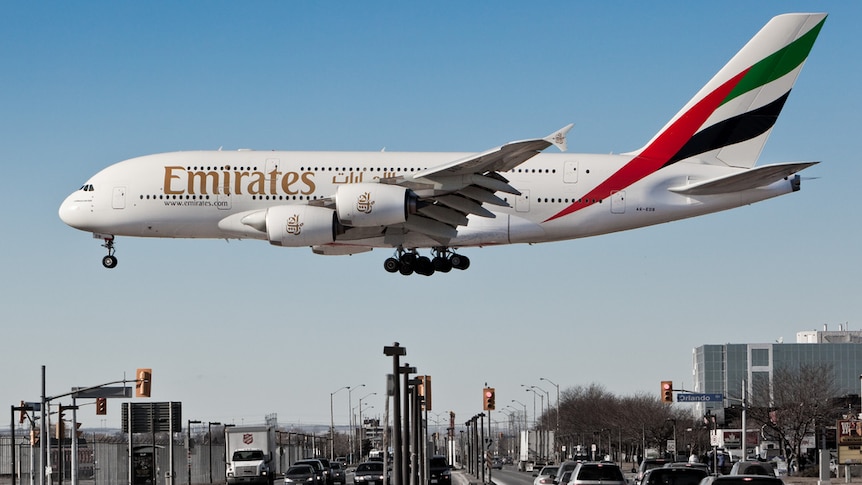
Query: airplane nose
73	212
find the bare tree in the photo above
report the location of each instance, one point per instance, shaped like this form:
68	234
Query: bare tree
622	425
798	399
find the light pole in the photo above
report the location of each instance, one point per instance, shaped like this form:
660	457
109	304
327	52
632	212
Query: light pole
544	410
210	440
350	416
526	426
189	445
332	424
361	423
536	416
557	427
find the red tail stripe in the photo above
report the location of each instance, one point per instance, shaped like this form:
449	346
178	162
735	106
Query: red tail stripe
665	146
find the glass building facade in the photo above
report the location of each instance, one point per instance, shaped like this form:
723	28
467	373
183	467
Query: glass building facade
723	368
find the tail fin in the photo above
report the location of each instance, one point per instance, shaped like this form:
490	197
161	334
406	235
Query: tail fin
728	121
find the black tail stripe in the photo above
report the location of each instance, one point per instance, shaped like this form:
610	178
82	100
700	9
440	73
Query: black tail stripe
732	130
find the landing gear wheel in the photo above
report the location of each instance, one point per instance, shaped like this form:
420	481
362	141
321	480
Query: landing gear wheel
109	261
391	265
408	258
406	269
424	266
441	264
460	262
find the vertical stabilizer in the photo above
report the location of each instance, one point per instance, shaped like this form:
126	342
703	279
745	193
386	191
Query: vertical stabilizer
728	121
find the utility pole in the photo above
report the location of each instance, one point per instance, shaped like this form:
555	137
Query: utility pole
395	351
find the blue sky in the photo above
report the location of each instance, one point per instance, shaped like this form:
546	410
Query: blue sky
242	329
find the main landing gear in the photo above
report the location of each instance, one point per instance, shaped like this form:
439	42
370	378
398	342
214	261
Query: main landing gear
109	261
409	262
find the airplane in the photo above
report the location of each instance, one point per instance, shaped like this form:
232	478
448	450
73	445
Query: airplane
339	203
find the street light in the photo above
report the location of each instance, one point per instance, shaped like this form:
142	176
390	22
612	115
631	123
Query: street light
332	424
350	416
526	428
189	445
210	440
536	417
557	428
361	423
545	433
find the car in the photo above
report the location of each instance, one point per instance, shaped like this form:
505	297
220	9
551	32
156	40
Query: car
688	464
741	480
546	475
648	464
369	473
597	473
301	475
497	464
439	471
337	472
318	468
753	468
566	466
674	475
327	470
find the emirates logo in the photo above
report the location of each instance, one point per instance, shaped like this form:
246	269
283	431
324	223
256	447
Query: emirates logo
364	204
293	225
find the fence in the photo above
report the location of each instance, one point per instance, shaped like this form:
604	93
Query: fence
104	460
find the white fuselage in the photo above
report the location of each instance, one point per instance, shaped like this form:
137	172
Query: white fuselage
187	194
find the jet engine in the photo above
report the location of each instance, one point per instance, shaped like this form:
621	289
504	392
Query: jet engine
301	225
369	205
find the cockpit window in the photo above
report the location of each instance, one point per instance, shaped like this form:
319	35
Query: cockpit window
87	187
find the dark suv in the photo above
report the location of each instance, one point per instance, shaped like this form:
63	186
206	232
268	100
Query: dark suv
439	472
648	464
321	472
591	473
674	476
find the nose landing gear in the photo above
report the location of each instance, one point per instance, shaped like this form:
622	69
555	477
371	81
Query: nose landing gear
409	262
109	261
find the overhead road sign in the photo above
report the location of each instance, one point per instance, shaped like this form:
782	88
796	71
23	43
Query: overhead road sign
114	392
680	397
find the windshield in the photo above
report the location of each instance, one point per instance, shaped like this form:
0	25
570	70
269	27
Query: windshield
370	467
248	455
599	472
675	476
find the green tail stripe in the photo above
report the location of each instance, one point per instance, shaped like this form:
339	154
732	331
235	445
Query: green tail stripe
777	64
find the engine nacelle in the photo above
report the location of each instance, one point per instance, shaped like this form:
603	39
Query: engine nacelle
301	225
369	205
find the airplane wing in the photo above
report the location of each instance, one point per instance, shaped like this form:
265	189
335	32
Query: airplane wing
746	180
448	193
502	158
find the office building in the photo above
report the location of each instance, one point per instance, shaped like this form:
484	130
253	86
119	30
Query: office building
723	368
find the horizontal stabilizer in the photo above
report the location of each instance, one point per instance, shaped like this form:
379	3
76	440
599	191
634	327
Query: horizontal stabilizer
746	180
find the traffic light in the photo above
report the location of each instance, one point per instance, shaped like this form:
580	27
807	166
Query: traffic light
667	392
488	402
21	413
143	382
60	427
101	405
